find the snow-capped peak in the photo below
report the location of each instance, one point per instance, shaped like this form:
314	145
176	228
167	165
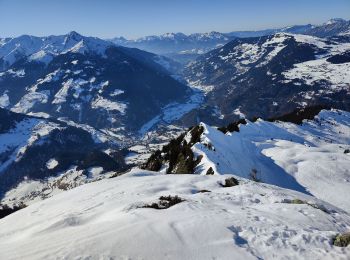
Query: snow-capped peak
166	36
172	35
208	36
38	47
177	37
72	36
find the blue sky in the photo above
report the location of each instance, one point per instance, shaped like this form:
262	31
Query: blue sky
134	18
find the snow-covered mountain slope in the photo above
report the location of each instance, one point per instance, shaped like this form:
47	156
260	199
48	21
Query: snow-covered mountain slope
332	27
112	88
39	156
105	220
274	74
313	158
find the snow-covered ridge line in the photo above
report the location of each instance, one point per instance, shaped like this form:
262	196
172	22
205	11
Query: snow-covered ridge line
181	37
304	157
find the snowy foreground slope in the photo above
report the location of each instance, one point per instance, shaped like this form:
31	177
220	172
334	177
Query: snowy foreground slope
105	220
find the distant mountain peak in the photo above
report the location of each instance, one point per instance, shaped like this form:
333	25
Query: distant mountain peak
25	45
74	35
335	20
173	35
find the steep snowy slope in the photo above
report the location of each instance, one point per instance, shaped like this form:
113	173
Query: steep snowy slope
105	220
313	158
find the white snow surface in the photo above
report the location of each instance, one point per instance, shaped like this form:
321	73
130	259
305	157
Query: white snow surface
309	158
29	100
76	85
53	76
310	72
103	220
116	92
336	75
41	56
52	163
109	105
4	100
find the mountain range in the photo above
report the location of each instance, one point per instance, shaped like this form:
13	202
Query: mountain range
202	146
184	48
86	80
80	89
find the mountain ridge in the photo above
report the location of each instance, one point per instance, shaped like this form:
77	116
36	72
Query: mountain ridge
268	151
184	48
